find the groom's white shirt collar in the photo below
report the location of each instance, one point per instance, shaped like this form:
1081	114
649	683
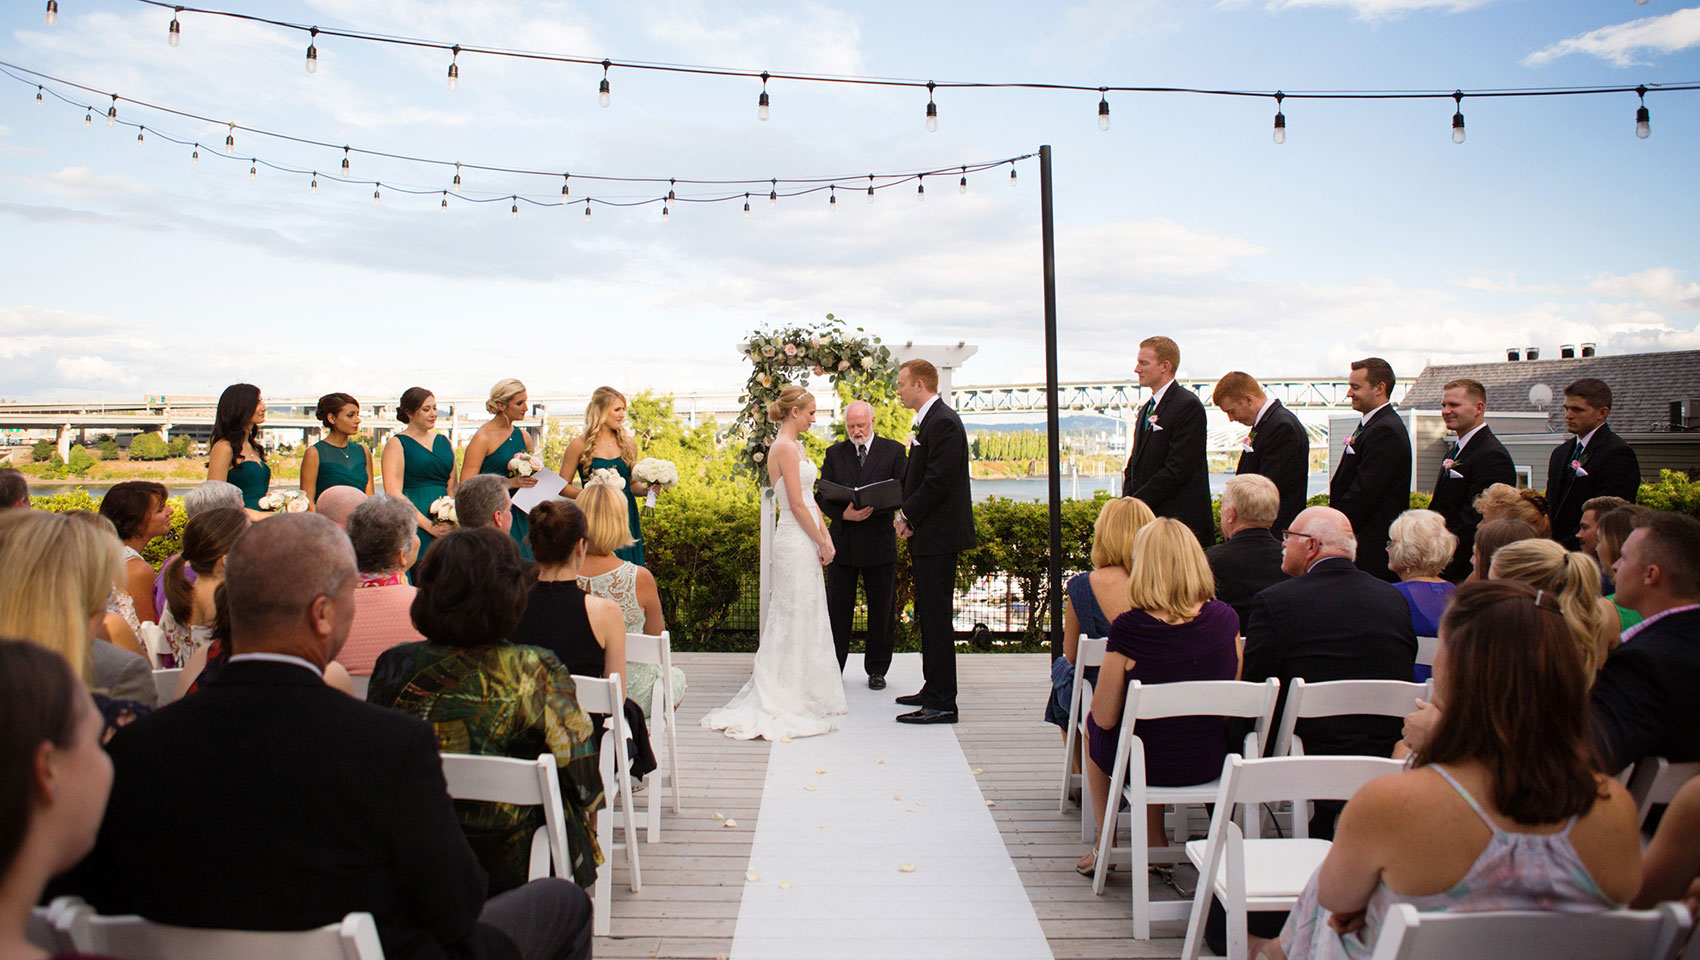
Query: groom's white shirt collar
921	414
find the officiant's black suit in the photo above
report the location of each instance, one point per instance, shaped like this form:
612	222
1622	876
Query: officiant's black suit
1280	450
1484	461
937	502
1612	470
1372	486
1166	467
864	548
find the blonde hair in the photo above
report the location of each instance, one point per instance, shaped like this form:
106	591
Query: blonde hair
1114	530
1502	501
1170	577
1571	578
1419	544
595	417
59	573
502	394
1255	499
792	397
606	526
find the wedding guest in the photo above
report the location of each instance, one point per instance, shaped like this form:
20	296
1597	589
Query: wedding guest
1596	463
1670	867
586	633
208	495
1500	810
1614	527
495	444
14	489
489	697
607	444
338	503
337	461
1419	547
204	667
1372	484
382	530
1249	557
1474	461
864	541
141	511
189	611
419	463
1173	630
632	588
1166	466
122	668
1096	598
1502	501
1571	578
1277	446
236	454
482	500
1490	536
1587	530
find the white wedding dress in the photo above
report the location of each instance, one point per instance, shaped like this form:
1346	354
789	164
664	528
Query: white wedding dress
795	686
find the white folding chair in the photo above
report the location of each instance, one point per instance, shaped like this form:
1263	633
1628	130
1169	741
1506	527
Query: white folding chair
1654	934
1089	653
154	643
1425	650
1257	874
1341	698
596	695
361	685
1656	780
1189	698
526	783
664	727
133	938
165	682
44	927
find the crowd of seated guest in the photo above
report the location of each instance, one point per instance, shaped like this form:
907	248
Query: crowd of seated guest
1095	598
603	573
1571	578
1502	501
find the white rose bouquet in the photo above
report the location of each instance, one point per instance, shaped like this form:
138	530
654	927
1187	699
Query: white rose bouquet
659	474
524	464
288	500
609	476
443	511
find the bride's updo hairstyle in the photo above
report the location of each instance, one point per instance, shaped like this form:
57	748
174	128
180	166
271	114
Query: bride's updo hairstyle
502	393
793	397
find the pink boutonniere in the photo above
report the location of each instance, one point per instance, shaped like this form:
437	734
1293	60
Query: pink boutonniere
1576	468
1151	421
1448	462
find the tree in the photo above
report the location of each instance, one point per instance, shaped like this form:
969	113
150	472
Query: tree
43	451
148	446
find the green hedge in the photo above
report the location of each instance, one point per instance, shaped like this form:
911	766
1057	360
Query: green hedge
158	550
149	446
1674	492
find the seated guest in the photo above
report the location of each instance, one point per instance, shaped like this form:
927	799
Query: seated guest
1500	810
1610	530
1096	598
208	495
1670	868
484	503
1502	501
14	489
338	503
328	806
1572	579
383	532
1249	557
1643	699
1419	547
140	511
188	616
113	629
1492	535
1173	630
487	696
603	574
1587	534
209	660
587	634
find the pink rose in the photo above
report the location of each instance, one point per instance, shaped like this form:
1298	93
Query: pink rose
790	349
767	352
759	456
815	343
818	371
843	364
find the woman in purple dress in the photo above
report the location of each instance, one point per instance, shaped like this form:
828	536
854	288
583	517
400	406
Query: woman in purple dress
1418	547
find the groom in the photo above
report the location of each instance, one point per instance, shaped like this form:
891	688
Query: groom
937	518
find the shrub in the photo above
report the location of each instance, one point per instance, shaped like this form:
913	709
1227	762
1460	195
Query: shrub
1674	492
80	462
157	551
148	446
699	543
179	446
108	449
1015	540
43	451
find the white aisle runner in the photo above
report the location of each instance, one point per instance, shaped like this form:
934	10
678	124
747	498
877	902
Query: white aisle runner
843	814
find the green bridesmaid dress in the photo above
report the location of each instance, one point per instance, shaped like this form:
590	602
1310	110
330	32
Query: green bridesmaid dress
497	462
253	478
425	476
340	466
634	553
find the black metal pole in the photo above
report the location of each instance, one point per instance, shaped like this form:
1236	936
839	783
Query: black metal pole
1053	431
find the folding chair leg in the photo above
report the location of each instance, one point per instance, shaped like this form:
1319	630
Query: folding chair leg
601	905
654	780
1067	770
630	823
673	755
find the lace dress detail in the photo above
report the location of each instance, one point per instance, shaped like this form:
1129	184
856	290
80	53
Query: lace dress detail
122	603
795	686
620	586
183	641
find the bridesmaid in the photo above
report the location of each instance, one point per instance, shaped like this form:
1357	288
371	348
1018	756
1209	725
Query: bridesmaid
496	442
606	442
337	461
419	463
236	455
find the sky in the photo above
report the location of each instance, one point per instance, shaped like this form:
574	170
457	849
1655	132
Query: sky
126	270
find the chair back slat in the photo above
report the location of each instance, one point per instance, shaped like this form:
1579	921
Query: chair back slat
596	695
1199	698
165	684
1656	780
1300	778
154	643
1338	698
1531	935
1090	652
355	937
529	783
1425	650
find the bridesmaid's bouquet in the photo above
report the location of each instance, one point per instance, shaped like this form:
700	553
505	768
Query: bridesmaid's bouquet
609	476
659	474
443	511
288	500
524	464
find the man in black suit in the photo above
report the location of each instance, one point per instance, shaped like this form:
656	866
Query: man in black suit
1643	700
1597	463
1332	621
1249	557
1166	466
1372	485
1277	447
309	804
937	518
1474	461
864	538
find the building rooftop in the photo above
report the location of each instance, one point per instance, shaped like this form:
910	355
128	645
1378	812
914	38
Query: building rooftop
1642	384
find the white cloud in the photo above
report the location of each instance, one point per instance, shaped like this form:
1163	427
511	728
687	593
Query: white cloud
1628	44
93	371
811	36
1662	285
1086	33
79	181
1371	10
1503	281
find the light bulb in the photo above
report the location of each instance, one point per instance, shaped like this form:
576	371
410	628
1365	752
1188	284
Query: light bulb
454	77
832	200
932	117
195	158
663	211
1103	112
962	185
1458	127
1012	173
312	58
602	94
88	118
670	184
314	186
1280	127
345	161
174	34
139	132
920	190
230	141
566	184
1643	121
746	206
52	13
375	194
870	193
773	198
513	211
112	112
456	185
587	208
38	94
761	107
253	170
445	207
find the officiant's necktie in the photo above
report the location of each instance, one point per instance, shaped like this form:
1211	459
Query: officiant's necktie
861	455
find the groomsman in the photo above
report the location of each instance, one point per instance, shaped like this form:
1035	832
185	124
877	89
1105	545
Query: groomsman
937	517
1277	447
1597	463
1474	461
1166	466
1372	485
865	540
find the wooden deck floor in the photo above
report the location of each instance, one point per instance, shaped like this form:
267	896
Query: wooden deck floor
694	878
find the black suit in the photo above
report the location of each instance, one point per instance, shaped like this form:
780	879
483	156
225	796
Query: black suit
1243	566
1373	486
1484	461
1643	700
304	805
864	548
1280	450
939	505
1166	466
1611	468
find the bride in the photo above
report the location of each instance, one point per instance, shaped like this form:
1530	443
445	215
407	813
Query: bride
795	685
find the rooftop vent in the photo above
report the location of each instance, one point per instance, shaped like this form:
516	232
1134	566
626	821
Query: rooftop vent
1567	352
1589	350
1513	354
1533	353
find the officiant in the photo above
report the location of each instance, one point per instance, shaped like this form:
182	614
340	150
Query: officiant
864	539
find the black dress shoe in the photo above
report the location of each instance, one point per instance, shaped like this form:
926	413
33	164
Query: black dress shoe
928	715
912	700
876	682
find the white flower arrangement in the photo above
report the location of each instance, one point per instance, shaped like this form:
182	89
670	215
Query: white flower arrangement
443	511
287	500
524	464
608	475
659	474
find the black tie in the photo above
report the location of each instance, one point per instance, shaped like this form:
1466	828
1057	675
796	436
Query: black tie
1452	454
861	455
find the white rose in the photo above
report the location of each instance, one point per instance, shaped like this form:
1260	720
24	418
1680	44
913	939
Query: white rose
867	363
297	505
759	456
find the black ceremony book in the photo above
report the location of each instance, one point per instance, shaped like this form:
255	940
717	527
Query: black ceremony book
883	495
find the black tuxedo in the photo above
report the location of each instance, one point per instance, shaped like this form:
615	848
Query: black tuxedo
1612	471
938	503
1280	450
304	805
864	548
1643	700
1166	466
1484	461
1372	486
1243	566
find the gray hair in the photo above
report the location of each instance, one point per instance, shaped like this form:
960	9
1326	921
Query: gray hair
211	495
478	498
1420	544
379	529
1255	499
277	569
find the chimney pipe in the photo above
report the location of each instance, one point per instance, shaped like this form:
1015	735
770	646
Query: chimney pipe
1512	355
1589	350
1533	353
1567	352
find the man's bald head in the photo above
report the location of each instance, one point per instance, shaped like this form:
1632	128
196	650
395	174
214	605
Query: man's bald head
281	579
337	503
1317	533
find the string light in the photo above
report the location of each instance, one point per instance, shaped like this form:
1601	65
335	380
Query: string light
456	185
746	205
761	104
663	211
174	33
921	188
88	119
602	96
112	112
513	212
670	184
314	186
38	100
1012	173
870	188
230	141
1458	116
587	207
445	207
313	51
1643	118
454	70
832	198
962	185
566	183
375	195
195	157
253	169
345	161
773	195
52	13
1280	119
1103	108
932	110
139	132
